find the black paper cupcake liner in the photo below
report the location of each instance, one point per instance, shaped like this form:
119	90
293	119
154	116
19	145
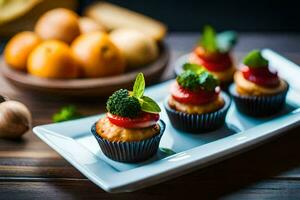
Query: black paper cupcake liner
258	106
198	123
225	86
130	152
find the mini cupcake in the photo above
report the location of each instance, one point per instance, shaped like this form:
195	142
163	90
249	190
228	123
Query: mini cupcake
213	52
196	103
131	130
258	91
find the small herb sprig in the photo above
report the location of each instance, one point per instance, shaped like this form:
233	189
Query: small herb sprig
130	103
213	42
255	59
66	113
167	151
208	39
195	77
147	104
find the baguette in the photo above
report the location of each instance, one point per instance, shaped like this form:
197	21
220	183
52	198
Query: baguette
113	17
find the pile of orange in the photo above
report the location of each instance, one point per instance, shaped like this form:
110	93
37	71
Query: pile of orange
63	45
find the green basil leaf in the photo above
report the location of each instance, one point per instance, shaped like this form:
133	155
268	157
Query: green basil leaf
139	86
226	40
198	69
167	151
255	59
149	105
208	39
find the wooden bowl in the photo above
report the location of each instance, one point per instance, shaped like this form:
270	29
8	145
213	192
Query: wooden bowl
89	87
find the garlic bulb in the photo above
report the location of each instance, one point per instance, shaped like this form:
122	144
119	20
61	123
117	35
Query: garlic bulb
15	119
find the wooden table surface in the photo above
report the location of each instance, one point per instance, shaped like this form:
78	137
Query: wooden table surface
29	169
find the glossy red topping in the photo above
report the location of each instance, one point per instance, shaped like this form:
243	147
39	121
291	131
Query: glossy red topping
198	97
261	76
142	121
215	62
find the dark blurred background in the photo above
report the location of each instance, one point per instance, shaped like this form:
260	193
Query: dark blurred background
241	15
248	16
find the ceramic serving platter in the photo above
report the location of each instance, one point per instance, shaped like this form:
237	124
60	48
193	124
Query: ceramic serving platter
74	141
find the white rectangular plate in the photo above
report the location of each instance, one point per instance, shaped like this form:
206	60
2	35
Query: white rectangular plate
74	141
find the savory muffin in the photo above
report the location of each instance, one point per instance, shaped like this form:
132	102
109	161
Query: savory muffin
112	132
131	130
196	103
258	90
196	109
213	53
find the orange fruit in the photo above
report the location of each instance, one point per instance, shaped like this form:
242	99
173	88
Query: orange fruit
18	49
60	24
52	59
97	55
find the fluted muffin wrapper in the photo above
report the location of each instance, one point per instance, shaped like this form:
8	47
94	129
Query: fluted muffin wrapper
130	152
258	106
225	86
198	123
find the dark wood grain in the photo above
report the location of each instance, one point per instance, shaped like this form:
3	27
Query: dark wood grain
29	169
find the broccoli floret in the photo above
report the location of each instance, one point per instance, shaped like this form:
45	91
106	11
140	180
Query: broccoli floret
208	81
120	103
191	80
188	79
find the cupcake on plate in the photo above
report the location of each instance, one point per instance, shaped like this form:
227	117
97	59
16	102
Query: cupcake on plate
196	103
258	90
131	130
213	53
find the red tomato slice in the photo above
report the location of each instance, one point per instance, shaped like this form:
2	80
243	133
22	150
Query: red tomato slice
215	62
143	121
199	97
261	76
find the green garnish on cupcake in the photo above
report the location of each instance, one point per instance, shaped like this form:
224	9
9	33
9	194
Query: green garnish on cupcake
195	91
131	125
122	104
255	59
258	90
195	77
255	76
213	42
195	98
213	53
131	103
